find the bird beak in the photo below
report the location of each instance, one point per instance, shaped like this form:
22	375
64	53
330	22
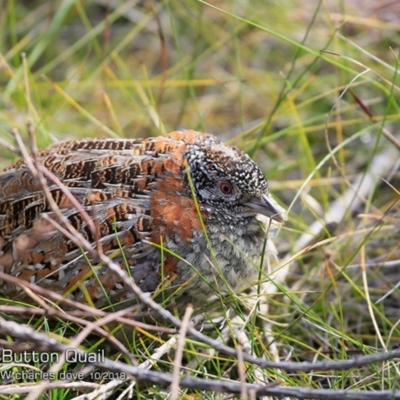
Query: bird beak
267	206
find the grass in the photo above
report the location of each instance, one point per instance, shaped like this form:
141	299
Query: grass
310	92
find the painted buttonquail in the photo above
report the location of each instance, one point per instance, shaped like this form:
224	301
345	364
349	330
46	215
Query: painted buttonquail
139	195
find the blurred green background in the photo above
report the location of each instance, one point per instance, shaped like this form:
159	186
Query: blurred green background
309	89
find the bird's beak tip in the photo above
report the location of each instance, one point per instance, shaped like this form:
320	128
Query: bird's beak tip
267	206
281	217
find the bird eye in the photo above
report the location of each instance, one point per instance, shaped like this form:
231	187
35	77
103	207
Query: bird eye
225	188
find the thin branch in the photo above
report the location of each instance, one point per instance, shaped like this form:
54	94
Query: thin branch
25	332
179	352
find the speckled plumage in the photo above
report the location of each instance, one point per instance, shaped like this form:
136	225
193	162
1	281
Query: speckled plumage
139	195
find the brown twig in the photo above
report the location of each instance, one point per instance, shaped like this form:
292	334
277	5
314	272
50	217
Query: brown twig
80	310
179	352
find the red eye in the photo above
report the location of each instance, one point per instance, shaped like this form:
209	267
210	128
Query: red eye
225	188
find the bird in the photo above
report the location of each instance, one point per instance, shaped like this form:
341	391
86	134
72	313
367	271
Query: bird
183	211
